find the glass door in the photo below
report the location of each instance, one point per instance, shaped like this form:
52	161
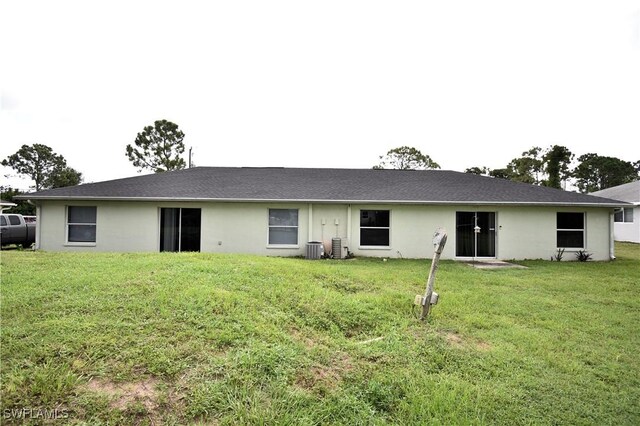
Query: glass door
190	230
486	238
475	234
169	229
180	229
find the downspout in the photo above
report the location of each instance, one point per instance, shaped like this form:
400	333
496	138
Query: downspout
310	227
612	255
38	226
349	239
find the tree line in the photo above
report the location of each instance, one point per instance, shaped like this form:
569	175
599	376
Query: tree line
554	167
157	148
45	168
160	147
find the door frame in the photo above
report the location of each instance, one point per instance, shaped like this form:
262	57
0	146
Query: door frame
179	230
475	236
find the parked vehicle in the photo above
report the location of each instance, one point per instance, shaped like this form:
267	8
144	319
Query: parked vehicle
15	230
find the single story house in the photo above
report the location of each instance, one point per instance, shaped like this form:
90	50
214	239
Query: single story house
626	220
276	211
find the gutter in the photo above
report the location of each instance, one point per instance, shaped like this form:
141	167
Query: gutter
323	201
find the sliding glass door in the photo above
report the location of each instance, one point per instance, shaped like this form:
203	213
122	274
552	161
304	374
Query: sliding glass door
475	234
180	229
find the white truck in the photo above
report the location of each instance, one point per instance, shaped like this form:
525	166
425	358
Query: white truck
15	230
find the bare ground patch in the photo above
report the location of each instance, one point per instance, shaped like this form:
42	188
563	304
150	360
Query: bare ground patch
308	342
459	341
122	395
322	376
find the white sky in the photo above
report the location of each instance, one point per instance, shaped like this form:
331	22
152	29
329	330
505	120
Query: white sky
320	84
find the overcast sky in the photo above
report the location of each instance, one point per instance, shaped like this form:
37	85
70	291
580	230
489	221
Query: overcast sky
320	84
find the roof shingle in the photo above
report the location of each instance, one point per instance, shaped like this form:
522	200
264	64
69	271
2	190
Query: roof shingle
629	192
330	185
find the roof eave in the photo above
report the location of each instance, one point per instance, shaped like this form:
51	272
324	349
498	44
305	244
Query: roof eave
325	201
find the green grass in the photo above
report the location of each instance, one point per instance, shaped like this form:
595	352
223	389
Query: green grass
221	339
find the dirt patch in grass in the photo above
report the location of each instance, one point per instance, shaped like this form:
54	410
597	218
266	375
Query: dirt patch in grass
452	338
481	345
308	342
319	377
458	341
122	395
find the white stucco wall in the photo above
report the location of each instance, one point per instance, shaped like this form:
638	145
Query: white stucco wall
629	231
243	228
121	226
530	233
521	232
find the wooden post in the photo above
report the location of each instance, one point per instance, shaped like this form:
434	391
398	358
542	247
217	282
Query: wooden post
439	240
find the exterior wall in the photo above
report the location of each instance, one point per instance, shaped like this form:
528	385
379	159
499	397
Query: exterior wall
123	227
330	221
135	227
629	231
521	232
411	232
243	228
530	233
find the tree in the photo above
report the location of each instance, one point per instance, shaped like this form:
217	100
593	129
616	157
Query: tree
64	176
500	173
557	160
46	168
158	148
594	172
526	168
23	207
482	171
406	158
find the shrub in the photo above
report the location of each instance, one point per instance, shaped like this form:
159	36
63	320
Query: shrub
558	256
583	256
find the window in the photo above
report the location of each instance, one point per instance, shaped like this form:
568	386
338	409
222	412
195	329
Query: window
283	226
628	215
570	230
618	216
4	221
81	224
624	215
14	220
374	228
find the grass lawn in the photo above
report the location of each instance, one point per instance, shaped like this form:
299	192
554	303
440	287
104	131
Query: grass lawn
220	339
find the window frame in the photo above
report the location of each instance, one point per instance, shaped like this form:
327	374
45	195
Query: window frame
360	228
296	227
624	215
67	224
583	230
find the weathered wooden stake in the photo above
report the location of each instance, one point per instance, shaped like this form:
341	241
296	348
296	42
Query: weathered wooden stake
439	240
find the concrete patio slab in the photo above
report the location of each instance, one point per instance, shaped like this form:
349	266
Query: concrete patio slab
494	264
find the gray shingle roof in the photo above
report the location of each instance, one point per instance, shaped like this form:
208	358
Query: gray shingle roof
629	192
345	185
